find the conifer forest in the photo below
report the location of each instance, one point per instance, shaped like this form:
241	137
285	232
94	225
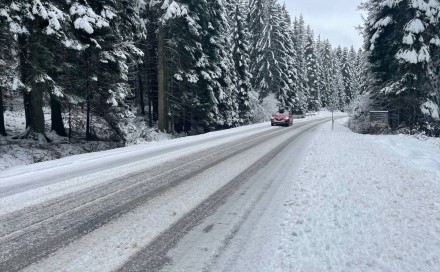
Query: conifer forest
194	66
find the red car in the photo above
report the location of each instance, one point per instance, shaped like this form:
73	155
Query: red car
282	118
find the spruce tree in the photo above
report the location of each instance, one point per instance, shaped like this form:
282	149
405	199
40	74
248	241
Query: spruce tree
257	22
326	57
106	46
273	75
299	41
347	76
399	35
202	62
355	73
338	78
219	47
240	36
312	72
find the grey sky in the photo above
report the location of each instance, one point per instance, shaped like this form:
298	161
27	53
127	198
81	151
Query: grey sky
333	20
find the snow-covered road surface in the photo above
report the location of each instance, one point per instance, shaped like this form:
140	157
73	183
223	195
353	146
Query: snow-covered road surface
78	213
257	198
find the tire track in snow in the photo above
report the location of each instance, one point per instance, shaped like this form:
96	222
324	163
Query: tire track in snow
154	256
61	224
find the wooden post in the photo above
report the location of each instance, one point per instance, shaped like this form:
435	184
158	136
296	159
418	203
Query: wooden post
333	120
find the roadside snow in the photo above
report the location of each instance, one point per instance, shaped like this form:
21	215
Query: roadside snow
421	153
19	152
363	203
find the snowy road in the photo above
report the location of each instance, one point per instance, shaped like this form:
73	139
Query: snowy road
191	204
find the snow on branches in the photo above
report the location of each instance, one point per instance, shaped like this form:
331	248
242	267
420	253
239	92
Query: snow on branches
87	19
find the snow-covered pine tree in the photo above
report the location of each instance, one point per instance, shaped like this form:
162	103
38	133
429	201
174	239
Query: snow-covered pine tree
320	69
312	72
355	72
257	23
272	75
218	45
240	36
105	30
184	52
297	101
326	56
203	71
347	76
338	78
363	66
335	83
274	58
299	40
399	35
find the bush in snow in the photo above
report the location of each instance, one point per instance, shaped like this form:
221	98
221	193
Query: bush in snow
261	111
359	120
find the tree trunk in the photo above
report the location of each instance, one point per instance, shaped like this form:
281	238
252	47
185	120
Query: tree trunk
163	108
150	108
57	117
70	121
24	73
37	117
33	96
88	112
2	119
149	85
88	71
141	90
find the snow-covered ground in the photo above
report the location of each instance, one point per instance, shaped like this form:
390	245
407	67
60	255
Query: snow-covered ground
363	203
18	152
354	203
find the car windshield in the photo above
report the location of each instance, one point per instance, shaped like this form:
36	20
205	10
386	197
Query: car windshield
284	113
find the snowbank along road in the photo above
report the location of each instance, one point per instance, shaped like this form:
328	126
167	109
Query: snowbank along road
185	205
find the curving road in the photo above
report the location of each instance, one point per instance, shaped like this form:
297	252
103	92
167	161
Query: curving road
200	204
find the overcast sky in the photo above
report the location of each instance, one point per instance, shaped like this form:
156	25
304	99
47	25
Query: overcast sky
333	20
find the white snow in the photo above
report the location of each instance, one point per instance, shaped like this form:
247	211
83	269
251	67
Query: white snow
435	41
390	3
415	26
173	10
408	39
356	203
431	109
383	22
410	56
364	203
83	23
